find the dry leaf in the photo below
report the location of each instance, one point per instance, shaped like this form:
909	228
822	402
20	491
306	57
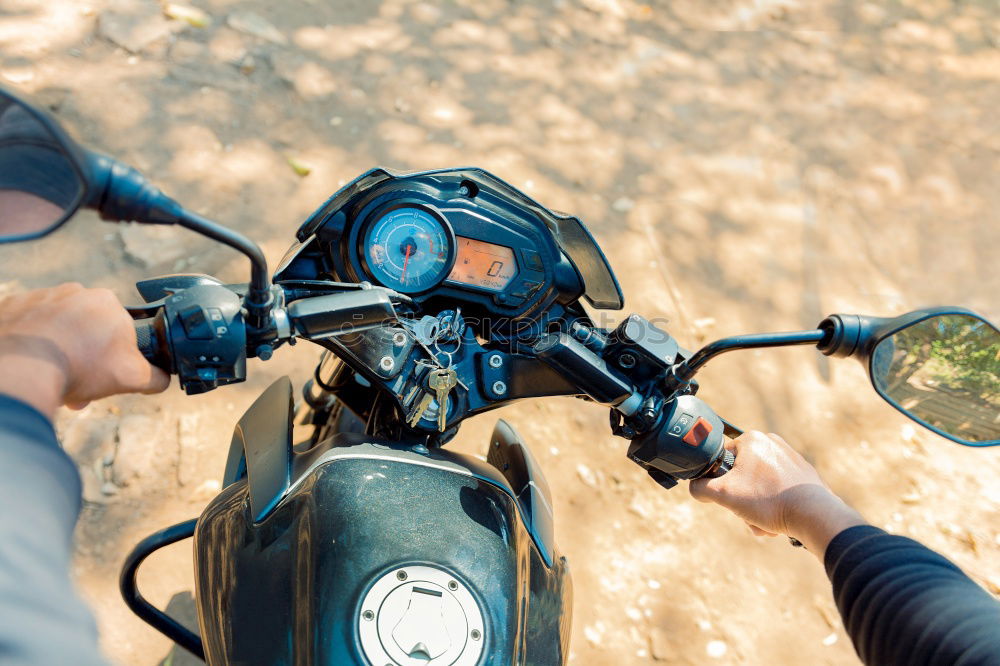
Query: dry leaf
299	167
192	15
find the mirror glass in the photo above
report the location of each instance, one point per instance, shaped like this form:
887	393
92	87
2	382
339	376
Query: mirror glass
944	371
39	182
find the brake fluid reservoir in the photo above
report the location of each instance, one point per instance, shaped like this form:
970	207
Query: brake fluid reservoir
420	616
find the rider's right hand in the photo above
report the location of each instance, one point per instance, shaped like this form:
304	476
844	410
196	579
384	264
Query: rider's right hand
68	345
774	489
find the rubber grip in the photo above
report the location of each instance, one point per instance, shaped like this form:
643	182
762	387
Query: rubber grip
723	464
145	339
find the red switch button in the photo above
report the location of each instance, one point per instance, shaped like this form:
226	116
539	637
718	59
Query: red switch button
698	432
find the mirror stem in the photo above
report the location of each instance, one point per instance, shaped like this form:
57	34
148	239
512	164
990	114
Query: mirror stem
259	299
684	371
121	194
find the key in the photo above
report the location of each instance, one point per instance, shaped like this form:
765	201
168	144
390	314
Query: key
417	413
442	381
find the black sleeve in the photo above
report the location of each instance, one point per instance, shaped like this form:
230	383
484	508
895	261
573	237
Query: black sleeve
902	603
42	621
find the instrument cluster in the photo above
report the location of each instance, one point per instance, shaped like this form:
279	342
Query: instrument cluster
450	238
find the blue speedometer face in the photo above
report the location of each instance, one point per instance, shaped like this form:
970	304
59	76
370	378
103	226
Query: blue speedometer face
408	249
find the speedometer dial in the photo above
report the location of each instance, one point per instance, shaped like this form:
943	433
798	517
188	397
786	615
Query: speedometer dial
408	248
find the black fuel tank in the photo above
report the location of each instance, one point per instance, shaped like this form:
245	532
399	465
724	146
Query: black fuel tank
289	588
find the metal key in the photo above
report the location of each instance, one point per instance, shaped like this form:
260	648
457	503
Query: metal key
417	413
442	381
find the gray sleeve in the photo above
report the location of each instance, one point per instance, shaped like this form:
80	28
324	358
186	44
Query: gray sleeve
42	620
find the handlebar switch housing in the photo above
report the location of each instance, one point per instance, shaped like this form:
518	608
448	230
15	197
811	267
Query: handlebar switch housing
207	335
685	442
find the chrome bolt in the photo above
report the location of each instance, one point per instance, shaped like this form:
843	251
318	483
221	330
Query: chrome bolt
475	634
401	575
496	361
626	361
386	363
368	615
452	585
399	339
499	388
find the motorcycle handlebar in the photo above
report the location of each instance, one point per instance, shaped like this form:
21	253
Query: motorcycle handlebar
723	464
144	339
150	339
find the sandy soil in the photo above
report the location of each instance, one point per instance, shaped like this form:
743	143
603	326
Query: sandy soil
747	166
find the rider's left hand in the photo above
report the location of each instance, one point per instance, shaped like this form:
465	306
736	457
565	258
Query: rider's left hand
68	345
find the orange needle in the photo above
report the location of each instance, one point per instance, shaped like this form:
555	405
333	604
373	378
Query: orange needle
406	260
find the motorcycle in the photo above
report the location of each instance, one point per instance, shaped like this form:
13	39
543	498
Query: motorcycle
436	296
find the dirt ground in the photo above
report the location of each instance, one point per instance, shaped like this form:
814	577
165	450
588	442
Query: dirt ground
747	166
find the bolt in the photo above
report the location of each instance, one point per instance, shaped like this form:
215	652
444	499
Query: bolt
399	339
401	575
475	634
499	388
386	363
368	615
264	352
496	361
626	360
452	585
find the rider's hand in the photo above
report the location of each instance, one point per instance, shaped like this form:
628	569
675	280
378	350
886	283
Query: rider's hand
776	491
67	346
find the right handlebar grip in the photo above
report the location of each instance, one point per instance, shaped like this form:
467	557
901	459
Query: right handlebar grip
723	464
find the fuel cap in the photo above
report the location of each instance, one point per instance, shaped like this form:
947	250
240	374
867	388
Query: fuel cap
420	616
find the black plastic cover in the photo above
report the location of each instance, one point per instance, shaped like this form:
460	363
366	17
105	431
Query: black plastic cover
509	454
601	286
262	447
340	314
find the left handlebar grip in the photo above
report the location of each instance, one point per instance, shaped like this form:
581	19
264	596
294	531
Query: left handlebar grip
151	340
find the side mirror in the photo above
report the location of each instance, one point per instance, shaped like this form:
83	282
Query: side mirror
940	367
42	180
45	177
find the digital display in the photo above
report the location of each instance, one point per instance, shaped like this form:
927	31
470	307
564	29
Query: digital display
483	264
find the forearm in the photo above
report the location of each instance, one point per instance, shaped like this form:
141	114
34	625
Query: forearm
904	604
815	516
29	376
42	621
